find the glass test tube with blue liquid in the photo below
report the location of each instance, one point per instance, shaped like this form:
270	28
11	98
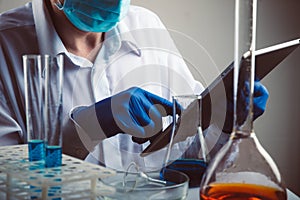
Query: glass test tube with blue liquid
53	114
32	65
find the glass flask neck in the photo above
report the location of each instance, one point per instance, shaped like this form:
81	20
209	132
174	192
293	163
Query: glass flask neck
243	96
244	65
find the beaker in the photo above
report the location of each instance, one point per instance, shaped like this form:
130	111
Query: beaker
187	151
137	187
242	169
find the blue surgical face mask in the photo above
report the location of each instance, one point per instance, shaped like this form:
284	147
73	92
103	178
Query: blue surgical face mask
94	15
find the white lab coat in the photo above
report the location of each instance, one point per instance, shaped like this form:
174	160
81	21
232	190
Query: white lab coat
138	52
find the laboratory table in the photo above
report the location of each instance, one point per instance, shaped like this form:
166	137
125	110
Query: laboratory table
18	174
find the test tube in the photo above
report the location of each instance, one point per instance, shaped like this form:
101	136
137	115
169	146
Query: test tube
53	118
32	65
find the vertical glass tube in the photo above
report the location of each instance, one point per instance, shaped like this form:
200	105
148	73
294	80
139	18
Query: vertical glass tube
53	109
244	65
32	66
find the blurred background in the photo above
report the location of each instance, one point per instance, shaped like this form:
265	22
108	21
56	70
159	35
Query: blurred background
203	32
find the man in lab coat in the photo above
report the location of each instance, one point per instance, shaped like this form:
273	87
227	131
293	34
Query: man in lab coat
113	52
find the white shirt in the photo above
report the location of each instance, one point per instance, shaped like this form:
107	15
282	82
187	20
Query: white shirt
137	52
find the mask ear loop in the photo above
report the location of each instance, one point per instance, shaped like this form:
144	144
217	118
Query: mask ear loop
59	5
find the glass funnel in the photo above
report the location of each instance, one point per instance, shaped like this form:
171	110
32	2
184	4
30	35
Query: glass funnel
242	169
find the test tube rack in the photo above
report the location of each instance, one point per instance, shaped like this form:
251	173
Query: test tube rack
75	179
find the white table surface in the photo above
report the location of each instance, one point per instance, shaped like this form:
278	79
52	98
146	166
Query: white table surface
194	195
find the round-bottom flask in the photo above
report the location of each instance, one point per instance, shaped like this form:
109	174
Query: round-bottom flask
242	170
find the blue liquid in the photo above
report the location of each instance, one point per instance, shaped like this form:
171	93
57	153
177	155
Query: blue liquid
193	168
53	156
36	149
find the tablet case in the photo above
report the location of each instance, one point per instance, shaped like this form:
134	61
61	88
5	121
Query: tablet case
265	61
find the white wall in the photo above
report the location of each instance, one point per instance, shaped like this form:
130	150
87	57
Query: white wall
209	24
8	4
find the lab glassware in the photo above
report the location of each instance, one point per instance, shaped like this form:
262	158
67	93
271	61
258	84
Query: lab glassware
54	68
133	186
34	107
43	79
187	151
242	169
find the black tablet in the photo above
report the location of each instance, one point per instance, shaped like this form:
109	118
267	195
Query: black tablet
265	61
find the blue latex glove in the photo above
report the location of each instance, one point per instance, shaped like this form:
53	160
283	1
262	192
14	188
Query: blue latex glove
260	98
135	112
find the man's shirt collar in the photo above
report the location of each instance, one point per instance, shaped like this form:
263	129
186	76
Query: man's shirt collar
49	41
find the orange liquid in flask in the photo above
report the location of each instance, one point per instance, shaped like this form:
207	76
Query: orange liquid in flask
240	191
